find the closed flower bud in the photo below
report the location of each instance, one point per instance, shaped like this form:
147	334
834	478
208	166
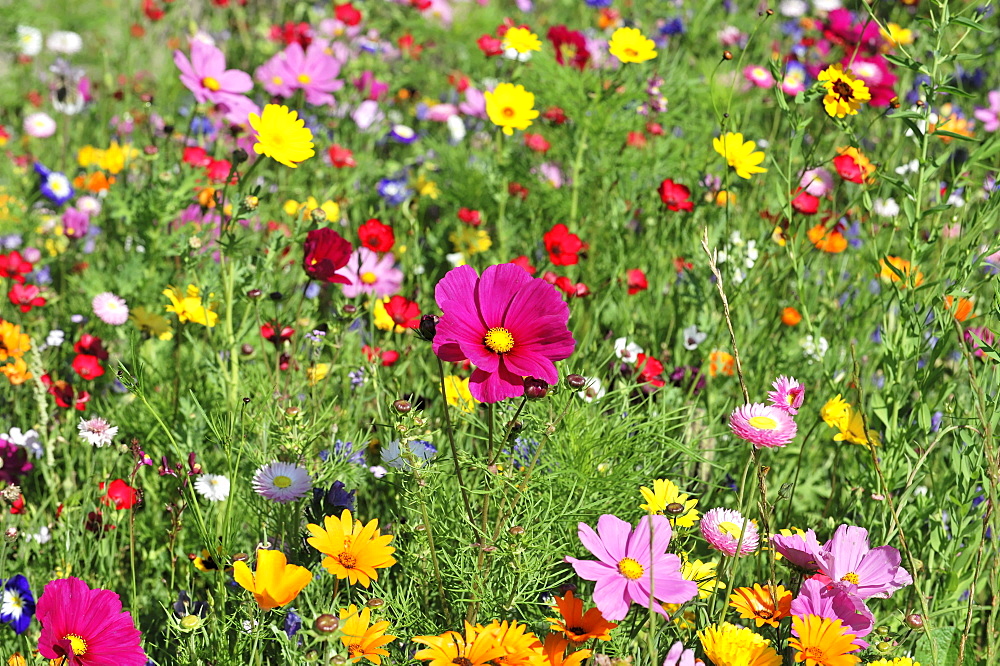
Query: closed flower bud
10	534
246	349
240	557
190	622
883	647
239	156
338	660
727	55
350	309
517	530
675	508
251	202
318	215
428	326
326	623
576	382
402	406
915	621
254	293
535	389
375	603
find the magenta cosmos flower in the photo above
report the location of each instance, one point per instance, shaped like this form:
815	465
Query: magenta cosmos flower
787	395
852	565
87	627
818	598
762	425
370	274
509	324
206	76
800	550
630	564
722	529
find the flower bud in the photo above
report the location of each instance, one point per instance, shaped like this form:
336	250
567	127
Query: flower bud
428	326
338	660
883	647
576	382
318	215
10	534
535	389
250	202
240	557
675	508
350	309
190	622
239	156
246	349
375	603
254	294
915	621
517	530
727	55
326	624
402	406
276	296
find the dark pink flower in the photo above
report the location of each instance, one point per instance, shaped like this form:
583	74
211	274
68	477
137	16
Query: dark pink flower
87	627
818	598
801	550
507	323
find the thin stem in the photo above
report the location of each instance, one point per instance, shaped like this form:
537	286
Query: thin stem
454	447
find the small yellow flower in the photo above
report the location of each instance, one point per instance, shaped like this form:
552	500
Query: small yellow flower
844	93
521	40
456	392
704	574
282	135
305	208
739	155
426	188
838	413
630	45
151	323
89	156
727	644
317	373
114	158
510	107
469	241
189	307
897	35
898	661
665	493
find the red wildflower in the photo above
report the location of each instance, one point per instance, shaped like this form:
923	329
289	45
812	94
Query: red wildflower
675	196
347	13
92	345
326	252
64	394
14	266
852	165
656	129
341	157
635	140
376	236
805	203
218	170
490	45
87	366
681	265
570	46
387	358
403	312
18	505
409	46
567	286
536	142
292	33
650	370
518	190
26	296
152	10
197	156
563	247
471	217
524	263
554	114
459	81
276	334
636	281
119	494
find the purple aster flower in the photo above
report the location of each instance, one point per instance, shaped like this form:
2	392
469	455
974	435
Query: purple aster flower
865	572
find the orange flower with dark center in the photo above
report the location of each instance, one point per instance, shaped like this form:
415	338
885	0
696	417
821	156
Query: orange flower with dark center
579	627
755	603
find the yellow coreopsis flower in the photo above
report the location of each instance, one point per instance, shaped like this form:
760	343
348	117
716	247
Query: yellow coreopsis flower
844	93
151	323
838	413
89	156
353	551
114	157
521	40
897	35
739	154
456	392
317	373
282	135
510	107
704	575
665	493
630	45
815	635
305	208
275	583
189	307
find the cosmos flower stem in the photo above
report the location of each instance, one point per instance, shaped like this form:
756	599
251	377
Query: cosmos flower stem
454	448
510	427
434	558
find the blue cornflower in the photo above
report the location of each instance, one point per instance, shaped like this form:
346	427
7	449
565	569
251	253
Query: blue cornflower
598	4
54	186
344	452
18	605
293	622
674	26
394	192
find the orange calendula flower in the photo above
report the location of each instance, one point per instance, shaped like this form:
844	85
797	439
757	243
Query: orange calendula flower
721	363
790	317
451	647
963	310
353	551
755	603
821	641
276	583
555	652
827	240
362	638
893	267
579	627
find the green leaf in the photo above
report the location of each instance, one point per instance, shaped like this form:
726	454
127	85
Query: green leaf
945	639
953	91
903	61
953	135
969	23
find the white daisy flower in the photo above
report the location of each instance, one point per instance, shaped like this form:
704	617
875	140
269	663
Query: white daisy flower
65	42
627	351
29	40
282	482
213	487
96	431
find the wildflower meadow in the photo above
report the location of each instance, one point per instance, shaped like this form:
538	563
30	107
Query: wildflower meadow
494	332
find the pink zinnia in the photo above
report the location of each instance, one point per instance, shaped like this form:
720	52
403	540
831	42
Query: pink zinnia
787	395
722	529
206	76
313	71
110	309
865	572
762	425
817	598
509	324
800	550
86	627
371	274
630	564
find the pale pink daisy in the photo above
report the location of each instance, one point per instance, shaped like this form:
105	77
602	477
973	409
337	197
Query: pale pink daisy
96	431
39	125
787	395
722	528
282	482
762	425
371	274
110	309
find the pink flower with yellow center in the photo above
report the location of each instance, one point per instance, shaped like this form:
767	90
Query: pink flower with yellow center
726	530
206	76
763	425
370	273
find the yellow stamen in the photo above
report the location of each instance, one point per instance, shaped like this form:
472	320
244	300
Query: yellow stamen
499	340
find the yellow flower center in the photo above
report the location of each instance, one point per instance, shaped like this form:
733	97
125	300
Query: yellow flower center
282	481
210	83
851	577
631	53
499	340
630	569
304	79
763	423
814	653
347	560
277	80
78	644
368	277
730	528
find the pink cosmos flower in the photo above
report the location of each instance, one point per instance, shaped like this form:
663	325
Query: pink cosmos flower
865	572
722	529
787	395
371	274
875	72
758	75
312	71
206	76
762	425
273	76
509	324
817	182
110	309
629	563
990	116
86	626
367	114
799	549
817	598
678	656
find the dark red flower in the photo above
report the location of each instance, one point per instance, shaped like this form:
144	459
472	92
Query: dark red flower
119	494
524	263
276	334
554	114
14	266
326	252
536	142
563	247
805	203
650	370
471	217
403	312
376	236
518	190
347	13
570	46
87	366
341	157
636	280
15	462
95	523
675	196
64	394
26	296
490	45
92	345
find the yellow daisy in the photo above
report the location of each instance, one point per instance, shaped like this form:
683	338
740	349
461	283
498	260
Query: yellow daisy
844	93
665	493
510	107
352	551
630	45
728	645
822	642
739	154
282	135
521	40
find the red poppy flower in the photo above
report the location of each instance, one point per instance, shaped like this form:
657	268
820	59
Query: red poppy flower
18	505
152	10
387	358
197	157
459	81
119	494
805	203
341	157
570	288
87	366
518	190
554	114
403	312
326	252
64	394
218	170
563	247
524	263
92	345
635	140
292	33
570	46
376	236
636	281
347	13
650	370
26	296
675	196
490	45
536	142
276	334
471	217
14	266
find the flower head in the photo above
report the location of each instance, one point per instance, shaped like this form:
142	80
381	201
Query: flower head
276	583
363	639
282	135
844	93
325	253
369	273
213	487
704	575
577	626
110	309
763	425
188	306
820	641
206	76
740	155
665	497
630	45
756	603
729	645
457	393
17	605
474	648
282	482
510	326
632	565
787	395
724	529
853	166
847	560
521	40
353	551
899	270
510	107
85	626
96	431
817	597
798	549
838	413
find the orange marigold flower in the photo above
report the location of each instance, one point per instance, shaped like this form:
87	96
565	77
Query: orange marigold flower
790	317
963	310
579	627
827	240
901	266
554	649
720	362
755	603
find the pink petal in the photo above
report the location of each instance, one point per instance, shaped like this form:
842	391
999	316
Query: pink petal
611	598
615	534
492	387
235	81
496	290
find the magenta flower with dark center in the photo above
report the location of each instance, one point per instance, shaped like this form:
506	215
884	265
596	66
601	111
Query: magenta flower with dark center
865	572
507	323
